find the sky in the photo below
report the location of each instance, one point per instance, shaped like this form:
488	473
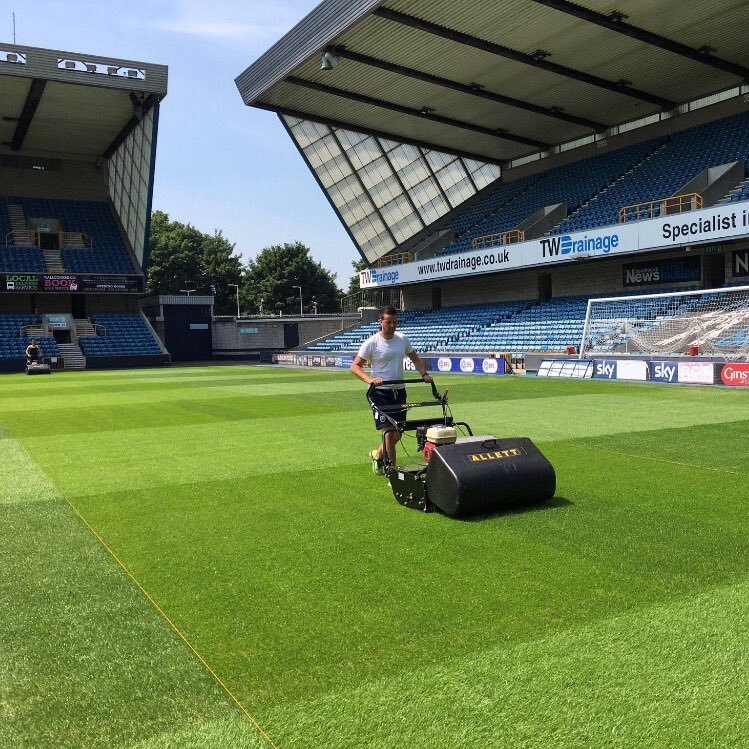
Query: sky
220	164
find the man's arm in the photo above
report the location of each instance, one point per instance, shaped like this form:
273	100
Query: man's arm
356	369
421	368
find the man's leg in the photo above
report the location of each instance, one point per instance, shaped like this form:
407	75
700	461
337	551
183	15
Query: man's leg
391	440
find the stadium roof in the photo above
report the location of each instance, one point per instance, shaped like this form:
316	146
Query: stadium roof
59	104
497	80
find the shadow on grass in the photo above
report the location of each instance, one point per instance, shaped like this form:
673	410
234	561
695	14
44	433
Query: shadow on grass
551	504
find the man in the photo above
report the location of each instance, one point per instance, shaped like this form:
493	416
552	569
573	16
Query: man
385	351
32	352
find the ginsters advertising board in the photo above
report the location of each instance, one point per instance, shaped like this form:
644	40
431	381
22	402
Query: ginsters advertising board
707	225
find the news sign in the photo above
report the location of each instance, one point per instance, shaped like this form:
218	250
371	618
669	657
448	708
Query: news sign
674	270
740	263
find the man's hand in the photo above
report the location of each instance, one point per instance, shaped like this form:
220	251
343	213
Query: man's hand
375	381
427	377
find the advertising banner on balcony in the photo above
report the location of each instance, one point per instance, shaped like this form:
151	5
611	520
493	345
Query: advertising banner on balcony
677	230
70	284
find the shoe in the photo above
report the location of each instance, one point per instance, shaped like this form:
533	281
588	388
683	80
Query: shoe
378	467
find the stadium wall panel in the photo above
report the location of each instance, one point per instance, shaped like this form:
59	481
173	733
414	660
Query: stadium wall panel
125	362
68	180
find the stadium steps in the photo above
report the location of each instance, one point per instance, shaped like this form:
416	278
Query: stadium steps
602	193
84	326
53	261
73	356
740	192
17	218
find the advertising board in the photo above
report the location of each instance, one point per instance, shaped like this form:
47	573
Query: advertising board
45	282
664	371
735	374
695	227
577	369
696	373
673	270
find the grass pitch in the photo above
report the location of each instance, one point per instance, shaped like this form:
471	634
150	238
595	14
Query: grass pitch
241	500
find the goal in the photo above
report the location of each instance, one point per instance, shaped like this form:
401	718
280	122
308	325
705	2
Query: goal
716	321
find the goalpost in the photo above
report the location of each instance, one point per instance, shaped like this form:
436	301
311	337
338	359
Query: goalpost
716	321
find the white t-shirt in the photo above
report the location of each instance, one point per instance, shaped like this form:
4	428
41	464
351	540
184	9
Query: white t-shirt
386	357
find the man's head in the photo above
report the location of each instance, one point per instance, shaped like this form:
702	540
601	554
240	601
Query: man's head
33	342
388	321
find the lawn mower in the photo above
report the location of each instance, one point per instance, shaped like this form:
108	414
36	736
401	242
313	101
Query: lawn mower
37	366
462	474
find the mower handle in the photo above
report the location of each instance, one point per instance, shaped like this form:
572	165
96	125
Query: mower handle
420	381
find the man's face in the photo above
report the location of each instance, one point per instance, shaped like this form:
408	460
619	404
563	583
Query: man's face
388	323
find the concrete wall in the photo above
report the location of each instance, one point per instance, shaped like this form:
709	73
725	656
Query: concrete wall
228	340
74	180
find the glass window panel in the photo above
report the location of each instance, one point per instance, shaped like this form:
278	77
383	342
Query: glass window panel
451	175
349	138
424	192
385	191
460	191
437	160
414	174
403	155
333	171
375	172
364	153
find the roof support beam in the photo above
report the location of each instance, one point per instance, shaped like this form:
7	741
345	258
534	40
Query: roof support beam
471	90
522	57
142	109
615	22
27	114
423	114
376	133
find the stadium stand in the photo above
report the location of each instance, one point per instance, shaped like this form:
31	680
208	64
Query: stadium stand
596	188
740	192
15	337
107	254
515	327
669	168
573	184
120	335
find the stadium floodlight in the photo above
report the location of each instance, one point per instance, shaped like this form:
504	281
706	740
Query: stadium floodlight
188	291
236	286
301	303
712	321
329	60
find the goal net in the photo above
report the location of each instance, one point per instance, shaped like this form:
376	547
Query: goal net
714	320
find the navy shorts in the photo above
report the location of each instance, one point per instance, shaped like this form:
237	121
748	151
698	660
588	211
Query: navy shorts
388	398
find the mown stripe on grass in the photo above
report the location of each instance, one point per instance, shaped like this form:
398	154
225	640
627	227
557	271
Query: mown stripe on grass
21	479
84	661
314	580
674	675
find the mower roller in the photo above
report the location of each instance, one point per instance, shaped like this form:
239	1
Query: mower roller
462	475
